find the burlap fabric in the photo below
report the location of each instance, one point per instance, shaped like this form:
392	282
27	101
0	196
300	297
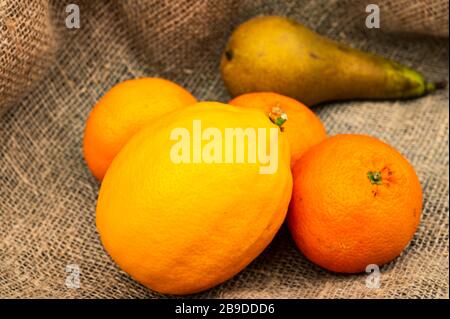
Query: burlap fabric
50	77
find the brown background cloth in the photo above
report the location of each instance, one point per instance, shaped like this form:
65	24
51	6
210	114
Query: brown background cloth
50	78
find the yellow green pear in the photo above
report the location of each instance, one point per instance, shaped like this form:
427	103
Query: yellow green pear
276	54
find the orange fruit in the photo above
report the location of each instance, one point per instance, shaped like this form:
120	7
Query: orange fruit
177	218
356	201
303	128
123	111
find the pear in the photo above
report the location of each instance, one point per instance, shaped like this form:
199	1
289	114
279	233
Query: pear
276	54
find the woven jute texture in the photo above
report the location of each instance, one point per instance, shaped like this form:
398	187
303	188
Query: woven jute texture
51	76
27	47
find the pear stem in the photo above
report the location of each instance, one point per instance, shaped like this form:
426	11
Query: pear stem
433	86
430	87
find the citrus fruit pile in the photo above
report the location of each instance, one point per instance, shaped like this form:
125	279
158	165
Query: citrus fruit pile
191	192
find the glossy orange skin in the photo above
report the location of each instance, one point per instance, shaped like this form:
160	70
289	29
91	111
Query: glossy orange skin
303	128
123	111
338	218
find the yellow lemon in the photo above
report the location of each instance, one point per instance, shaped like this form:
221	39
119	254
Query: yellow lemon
195	196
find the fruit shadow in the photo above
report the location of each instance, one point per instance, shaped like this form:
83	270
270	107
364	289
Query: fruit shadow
280	271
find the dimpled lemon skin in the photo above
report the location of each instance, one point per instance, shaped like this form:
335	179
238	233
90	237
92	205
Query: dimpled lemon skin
123	111
183	228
